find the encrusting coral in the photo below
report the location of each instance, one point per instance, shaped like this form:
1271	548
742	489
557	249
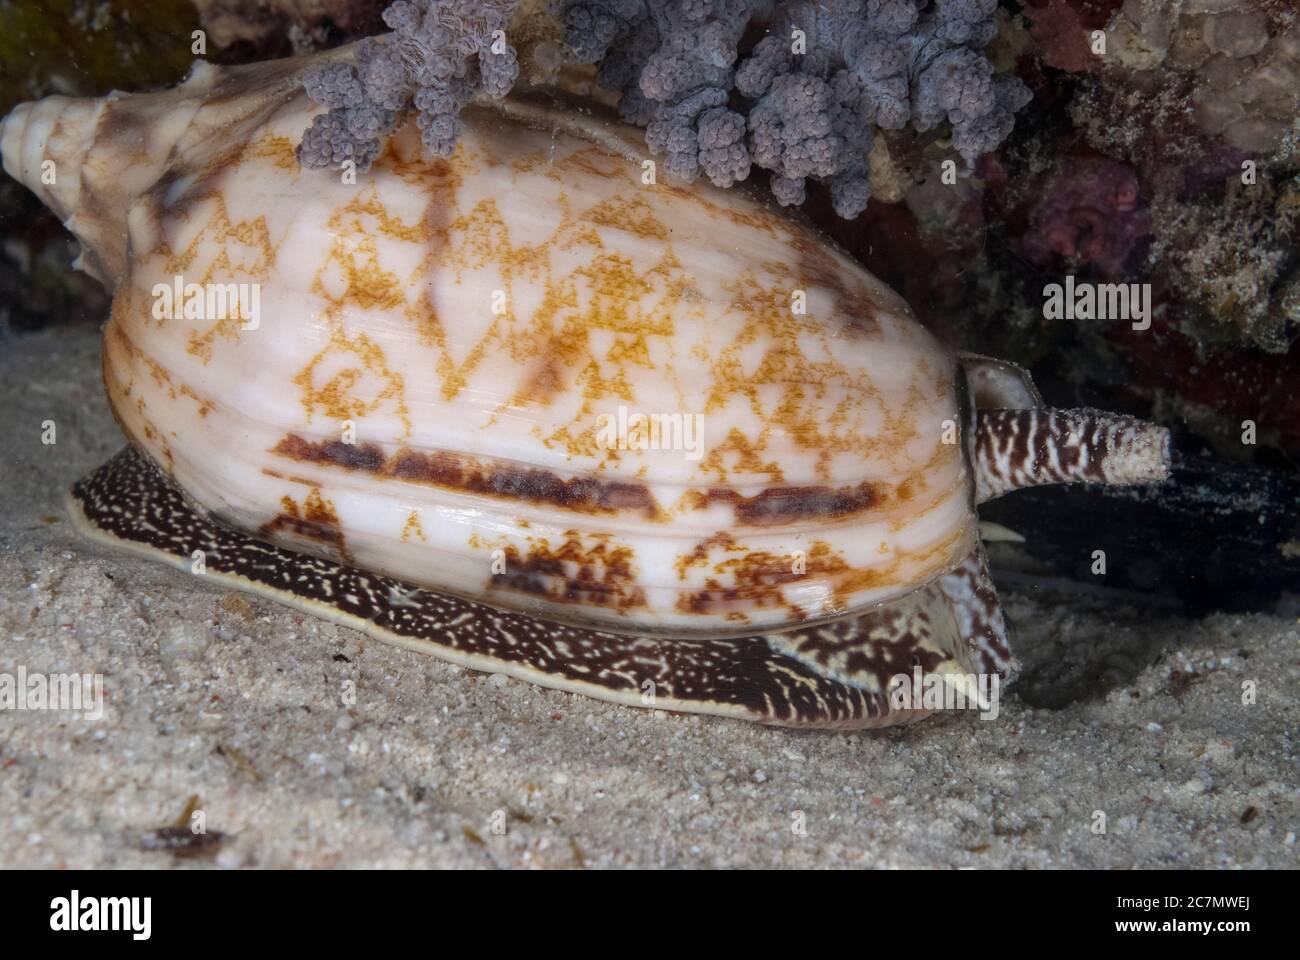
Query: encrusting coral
1090	212
1238	60
1198	103
803	102
1243	58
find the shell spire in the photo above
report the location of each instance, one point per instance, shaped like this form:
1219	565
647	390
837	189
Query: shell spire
90	159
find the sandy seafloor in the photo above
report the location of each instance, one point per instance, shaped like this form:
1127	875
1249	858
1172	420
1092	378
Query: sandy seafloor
1123	708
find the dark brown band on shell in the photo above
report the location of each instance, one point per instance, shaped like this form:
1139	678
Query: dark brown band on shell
785	505
457	472
777	506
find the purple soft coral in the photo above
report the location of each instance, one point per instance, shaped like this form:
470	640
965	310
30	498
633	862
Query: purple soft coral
441	53
674	60
826	75
803	103
852	65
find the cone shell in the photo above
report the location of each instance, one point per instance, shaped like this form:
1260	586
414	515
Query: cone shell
449	361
